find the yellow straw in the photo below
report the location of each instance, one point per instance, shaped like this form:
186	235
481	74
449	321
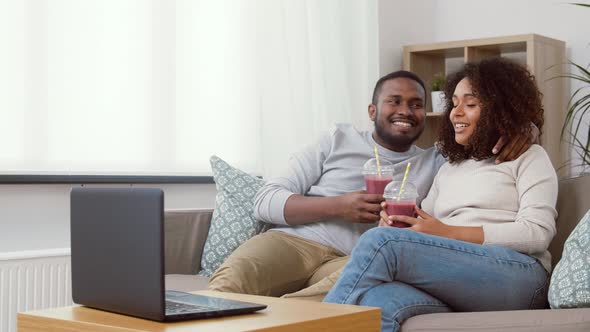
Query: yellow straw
401	189
377	159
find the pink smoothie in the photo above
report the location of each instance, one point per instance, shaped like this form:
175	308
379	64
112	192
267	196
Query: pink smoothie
401	208
376	184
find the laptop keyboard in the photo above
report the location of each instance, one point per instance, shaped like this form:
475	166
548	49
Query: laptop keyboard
182	308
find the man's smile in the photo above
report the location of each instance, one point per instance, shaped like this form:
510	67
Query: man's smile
403	124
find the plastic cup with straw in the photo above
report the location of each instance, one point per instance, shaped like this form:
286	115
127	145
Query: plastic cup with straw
378	173
400	197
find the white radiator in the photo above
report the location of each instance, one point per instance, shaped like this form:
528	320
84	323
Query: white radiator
33	280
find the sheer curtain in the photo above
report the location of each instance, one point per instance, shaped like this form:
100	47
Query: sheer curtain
156	87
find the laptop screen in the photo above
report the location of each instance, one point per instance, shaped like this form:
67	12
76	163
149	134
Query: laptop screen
117	245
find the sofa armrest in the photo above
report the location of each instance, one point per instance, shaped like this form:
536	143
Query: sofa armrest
185	235
572	203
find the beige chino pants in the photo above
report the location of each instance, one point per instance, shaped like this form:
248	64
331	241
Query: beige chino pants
273	264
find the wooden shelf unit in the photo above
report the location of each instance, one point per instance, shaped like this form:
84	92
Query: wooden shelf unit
544	57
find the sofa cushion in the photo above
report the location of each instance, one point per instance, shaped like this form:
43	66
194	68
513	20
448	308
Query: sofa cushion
570	282
186	282
185	234
566	320
572	203
233	219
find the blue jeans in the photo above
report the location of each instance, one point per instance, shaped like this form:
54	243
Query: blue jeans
407	273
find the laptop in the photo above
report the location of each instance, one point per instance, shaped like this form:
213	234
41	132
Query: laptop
117	248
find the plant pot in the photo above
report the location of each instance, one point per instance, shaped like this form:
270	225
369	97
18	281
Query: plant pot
438	101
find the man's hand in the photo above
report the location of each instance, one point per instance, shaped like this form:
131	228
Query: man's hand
516	147
360	207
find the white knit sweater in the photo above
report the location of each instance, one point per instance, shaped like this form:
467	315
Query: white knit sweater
513	201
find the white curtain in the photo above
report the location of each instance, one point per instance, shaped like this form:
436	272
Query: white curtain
156	87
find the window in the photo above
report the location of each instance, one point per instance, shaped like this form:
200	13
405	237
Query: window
156	87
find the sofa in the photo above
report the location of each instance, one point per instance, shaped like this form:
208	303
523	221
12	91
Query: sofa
186	232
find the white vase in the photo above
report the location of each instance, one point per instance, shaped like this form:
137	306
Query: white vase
438	101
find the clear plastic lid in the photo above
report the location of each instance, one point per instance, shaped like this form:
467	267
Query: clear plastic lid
370	167
392	191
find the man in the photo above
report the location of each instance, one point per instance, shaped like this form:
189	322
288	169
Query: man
319	205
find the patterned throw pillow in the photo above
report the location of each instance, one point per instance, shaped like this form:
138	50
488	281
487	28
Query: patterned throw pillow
570	282
233	219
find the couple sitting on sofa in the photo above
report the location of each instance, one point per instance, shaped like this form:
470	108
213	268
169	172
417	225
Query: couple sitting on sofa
480	242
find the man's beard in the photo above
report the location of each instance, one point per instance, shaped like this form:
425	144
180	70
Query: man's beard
400	142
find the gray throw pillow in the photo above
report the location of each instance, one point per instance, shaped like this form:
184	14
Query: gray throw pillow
570	282
233	219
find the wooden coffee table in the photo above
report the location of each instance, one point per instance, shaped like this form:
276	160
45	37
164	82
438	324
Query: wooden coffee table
280	315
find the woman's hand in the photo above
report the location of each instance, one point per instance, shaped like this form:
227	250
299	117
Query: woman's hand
425	223
384	221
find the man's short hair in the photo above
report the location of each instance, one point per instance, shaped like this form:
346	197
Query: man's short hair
394	75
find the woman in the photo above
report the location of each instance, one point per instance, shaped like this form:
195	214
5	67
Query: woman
480	240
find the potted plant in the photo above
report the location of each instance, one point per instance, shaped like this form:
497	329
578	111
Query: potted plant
437	95
579	106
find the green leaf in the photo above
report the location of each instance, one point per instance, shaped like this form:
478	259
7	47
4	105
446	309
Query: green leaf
583	70
578	108
581	110
573	108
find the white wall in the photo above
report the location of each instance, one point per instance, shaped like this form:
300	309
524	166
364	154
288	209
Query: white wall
402	23
430	21
35	217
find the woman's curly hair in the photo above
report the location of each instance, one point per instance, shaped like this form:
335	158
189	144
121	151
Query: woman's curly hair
510	102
